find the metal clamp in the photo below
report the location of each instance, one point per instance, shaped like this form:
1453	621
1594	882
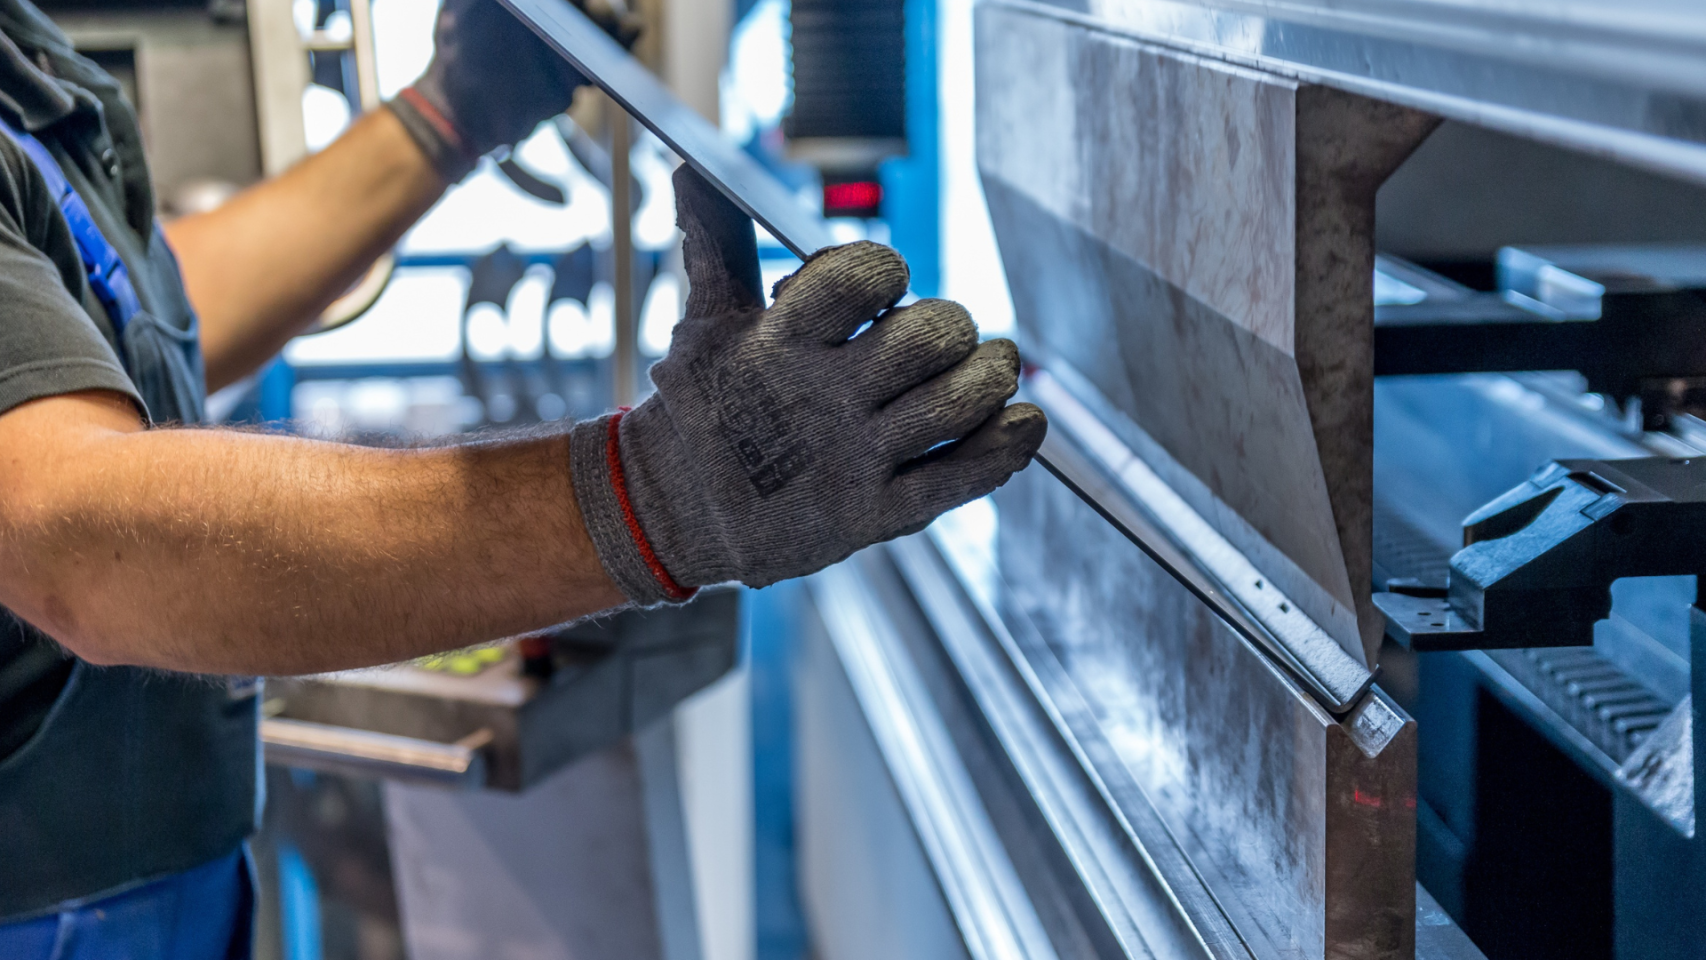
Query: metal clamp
1538	562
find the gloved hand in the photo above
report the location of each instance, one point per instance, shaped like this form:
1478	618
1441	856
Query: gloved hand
490	82
778	442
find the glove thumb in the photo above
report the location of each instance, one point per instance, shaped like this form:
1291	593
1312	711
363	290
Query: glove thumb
720	250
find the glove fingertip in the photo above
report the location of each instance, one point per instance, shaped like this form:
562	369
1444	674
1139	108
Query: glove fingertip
838	289
1017	431
973	468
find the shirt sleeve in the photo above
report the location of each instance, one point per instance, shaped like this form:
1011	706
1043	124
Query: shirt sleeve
49	345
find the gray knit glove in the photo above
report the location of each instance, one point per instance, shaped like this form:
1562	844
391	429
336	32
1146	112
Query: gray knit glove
778	442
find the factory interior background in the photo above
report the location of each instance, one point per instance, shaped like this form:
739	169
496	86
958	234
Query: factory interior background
1241	672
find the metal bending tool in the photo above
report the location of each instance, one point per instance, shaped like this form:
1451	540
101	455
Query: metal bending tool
1336	685
1538	562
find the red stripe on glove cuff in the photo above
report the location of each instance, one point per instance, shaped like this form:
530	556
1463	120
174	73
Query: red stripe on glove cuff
618	482
439	121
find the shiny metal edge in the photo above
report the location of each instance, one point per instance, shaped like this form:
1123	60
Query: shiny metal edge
1438	937
1104	472
990	905
363	753
1535	90
1142	883
603	61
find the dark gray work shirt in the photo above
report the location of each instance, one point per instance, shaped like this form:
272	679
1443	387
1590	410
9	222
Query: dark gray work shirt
54	336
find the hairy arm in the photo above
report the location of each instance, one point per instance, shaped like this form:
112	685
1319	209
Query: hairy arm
220	551
263	266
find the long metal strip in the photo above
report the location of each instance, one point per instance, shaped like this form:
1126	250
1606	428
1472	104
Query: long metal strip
728	168
1336	682
365	753
1107	475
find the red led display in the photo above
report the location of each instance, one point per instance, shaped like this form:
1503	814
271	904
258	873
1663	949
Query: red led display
858	198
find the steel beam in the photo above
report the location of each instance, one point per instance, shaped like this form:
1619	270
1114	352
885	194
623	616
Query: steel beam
1623	81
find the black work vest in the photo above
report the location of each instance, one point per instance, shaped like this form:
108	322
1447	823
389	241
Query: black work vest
133	774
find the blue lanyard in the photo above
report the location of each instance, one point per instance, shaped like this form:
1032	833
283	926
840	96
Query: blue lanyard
108	277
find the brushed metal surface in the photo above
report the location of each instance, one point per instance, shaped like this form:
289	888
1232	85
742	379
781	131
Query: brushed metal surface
937	602
1105	473
1625	81
1139	887
1196	240
1301	825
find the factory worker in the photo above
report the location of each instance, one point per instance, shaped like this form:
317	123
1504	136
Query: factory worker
140	558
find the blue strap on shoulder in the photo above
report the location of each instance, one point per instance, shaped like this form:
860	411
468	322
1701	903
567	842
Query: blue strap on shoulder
108	277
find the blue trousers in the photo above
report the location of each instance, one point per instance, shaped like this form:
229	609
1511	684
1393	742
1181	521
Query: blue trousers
204	913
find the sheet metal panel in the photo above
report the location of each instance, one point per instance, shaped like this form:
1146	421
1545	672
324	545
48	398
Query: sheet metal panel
1196	240
1301	825
1104	472
939	601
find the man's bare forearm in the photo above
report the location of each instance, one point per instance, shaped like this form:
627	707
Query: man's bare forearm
263	266
226	552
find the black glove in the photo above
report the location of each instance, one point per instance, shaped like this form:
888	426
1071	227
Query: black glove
778	442
491	81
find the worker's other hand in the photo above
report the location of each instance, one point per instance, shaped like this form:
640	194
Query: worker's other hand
781	440
491	81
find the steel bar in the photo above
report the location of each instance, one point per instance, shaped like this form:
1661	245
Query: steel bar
626	354
740	178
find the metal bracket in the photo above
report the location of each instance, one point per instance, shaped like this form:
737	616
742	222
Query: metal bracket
1538	562
1632	320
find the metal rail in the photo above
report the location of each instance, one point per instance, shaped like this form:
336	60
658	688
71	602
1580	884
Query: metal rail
1140	883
